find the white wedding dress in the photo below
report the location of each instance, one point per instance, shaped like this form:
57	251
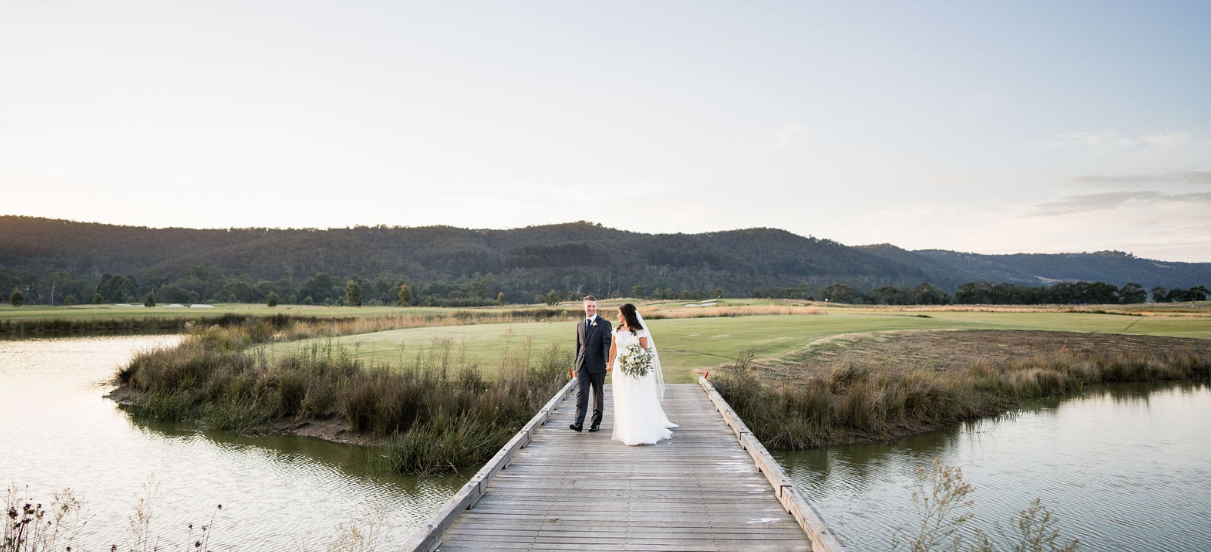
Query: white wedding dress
638	417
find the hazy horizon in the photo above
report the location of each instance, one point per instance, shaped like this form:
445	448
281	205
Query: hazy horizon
991	128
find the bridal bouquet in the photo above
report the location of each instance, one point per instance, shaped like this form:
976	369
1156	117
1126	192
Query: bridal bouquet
635	361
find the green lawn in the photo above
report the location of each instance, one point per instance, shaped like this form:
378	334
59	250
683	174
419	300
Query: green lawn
691	345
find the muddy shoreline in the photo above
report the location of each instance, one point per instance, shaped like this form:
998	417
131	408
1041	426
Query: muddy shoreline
334	430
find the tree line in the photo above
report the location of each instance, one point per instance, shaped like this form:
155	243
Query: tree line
991	293
54	260
204	284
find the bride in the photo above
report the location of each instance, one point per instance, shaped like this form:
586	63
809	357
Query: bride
638	416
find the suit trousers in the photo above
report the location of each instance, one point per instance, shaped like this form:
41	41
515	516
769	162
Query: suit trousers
584	380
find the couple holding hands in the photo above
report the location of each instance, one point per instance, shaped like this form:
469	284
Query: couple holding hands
638	417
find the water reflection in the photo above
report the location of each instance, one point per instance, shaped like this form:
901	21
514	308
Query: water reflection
1123	466
59	432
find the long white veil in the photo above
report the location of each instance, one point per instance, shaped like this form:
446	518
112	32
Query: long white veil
656	369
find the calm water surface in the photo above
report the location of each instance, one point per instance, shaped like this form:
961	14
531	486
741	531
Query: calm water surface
1124	467
57	430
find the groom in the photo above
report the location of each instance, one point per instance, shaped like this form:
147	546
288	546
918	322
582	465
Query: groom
592	347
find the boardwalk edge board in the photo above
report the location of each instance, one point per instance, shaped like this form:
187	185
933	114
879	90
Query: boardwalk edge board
823	538
428	537
790	499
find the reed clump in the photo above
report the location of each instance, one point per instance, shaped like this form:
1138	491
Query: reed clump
70	326
436	412
285	327
859	402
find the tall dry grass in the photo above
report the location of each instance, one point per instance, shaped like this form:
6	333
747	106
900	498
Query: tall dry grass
860	403
68	326
665	312
437	412
1146	309
286	326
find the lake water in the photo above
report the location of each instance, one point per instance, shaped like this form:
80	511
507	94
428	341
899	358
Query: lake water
57	430
1124	467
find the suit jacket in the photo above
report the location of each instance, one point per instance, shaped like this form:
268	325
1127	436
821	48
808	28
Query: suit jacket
593	345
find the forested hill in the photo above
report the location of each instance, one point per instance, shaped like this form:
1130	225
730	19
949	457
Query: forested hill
1114	267
575	257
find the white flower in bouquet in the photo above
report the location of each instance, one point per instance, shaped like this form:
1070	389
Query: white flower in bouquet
635	361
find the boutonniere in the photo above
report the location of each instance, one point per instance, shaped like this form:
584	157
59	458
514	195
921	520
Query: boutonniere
593	323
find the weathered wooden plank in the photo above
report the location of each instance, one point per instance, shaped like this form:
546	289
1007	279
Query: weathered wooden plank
429	537
702	490
612	547
823	538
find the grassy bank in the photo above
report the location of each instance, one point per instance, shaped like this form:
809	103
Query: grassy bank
859	402
433	412
691	346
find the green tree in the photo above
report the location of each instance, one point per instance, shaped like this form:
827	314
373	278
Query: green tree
1160	294
479	288
405	295
70	300
150	300
308	300
1132	294
841	293
353	293
16	298
639	291
1176	295
97	299
553	298
926	294
272	299
500	298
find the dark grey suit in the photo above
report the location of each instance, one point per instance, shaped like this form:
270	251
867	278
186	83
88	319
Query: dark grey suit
592	348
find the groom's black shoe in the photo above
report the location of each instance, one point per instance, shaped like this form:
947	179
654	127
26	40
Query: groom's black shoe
593	428
577	427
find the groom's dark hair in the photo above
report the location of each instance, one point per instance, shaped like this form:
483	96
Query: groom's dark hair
590	298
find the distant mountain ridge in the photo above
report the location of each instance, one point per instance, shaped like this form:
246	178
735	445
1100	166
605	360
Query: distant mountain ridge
573	256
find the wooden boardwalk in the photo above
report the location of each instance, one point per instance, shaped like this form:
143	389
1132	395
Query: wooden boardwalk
564	490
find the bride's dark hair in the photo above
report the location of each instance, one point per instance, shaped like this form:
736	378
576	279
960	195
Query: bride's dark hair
631	317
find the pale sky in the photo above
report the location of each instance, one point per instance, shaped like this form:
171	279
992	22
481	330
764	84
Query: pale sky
992	127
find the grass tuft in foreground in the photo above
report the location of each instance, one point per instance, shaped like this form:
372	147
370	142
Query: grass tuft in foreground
860	402
943	507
